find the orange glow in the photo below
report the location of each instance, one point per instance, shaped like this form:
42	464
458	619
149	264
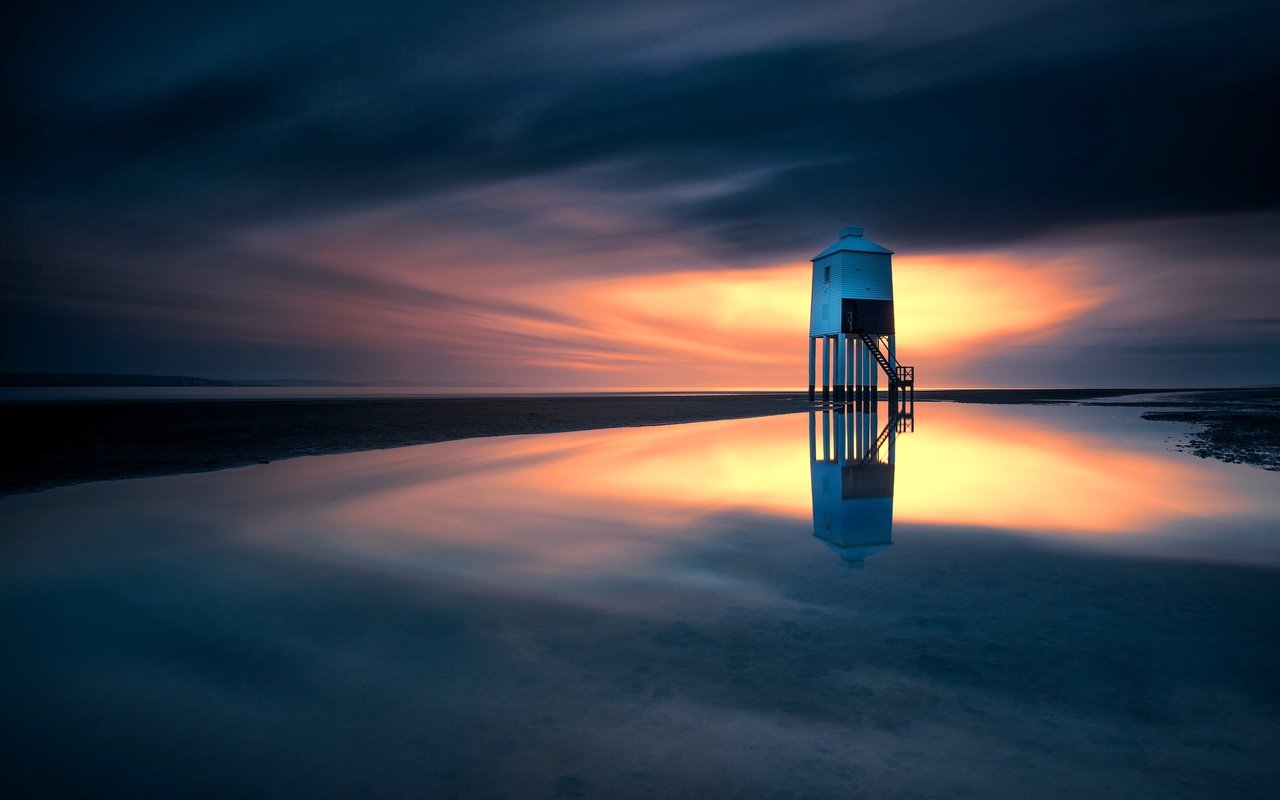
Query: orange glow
547	505
746	328
948	304
978	466
663	319
972	465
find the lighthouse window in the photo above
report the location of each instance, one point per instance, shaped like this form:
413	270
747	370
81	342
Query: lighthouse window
826	274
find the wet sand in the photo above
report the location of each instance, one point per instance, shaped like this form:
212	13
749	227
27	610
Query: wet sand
1241	427
56	443
1242	437
1238	426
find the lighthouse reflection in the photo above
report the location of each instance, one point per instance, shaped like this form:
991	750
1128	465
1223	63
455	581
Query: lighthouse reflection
851	463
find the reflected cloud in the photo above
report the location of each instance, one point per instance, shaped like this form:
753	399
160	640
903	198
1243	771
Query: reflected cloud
1009	469
626	507
636	519
578	597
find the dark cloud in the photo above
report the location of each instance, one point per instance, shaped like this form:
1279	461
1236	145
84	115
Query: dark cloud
148	131
962	140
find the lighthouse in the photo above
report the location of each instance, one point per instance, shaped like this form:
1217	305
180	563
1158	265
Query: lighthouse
851	318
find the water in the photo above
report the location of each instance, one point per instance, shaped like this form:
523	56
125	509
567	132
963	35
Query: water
56	394
1030	602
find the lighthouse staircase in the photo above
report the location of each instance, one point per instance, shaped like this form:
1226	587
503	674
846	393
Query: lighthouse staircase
898	374
902	379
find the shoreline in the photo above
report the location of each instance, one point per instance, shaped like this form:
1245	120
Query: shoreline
59	443
64	442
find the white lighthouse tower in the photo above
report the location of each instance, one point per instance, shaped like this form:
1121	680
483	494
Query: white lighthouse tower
851	312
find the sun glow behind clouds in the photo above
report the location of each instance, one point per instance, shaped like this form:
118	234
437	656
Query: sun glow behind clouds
718	328
654	318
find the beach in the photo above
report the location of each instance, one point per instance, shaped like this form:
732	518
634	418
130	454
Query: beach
1004	600
59	443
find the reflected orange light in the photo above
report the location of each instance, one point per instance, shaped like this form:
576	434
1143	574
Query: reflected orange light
972	465
555	504
975	465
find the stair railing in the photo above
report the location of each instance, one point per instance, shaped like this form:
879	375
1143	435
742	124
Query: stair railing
896	372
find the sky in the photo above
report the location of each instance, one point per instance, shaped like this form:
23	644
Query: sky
626	195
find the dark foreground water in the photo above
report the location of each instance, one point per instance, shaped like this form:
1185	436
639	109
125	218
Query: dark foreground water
1028	602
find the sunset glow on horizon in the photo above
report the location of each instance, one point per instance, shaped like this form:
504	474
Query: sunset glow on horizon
692	328
726	328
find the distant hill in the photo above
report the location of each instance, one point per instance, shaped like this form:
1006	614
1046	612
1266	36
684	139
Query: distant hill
107	379
102	379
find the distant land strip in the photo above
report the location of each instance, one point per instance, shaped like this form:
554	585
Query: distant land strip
52	443
104	380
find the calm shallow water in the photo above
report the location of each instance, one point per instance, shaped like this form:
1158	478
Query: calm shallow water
1030	602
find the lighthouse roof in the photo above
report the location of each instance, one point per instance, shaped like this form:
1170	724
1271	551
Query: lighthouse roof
851	240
